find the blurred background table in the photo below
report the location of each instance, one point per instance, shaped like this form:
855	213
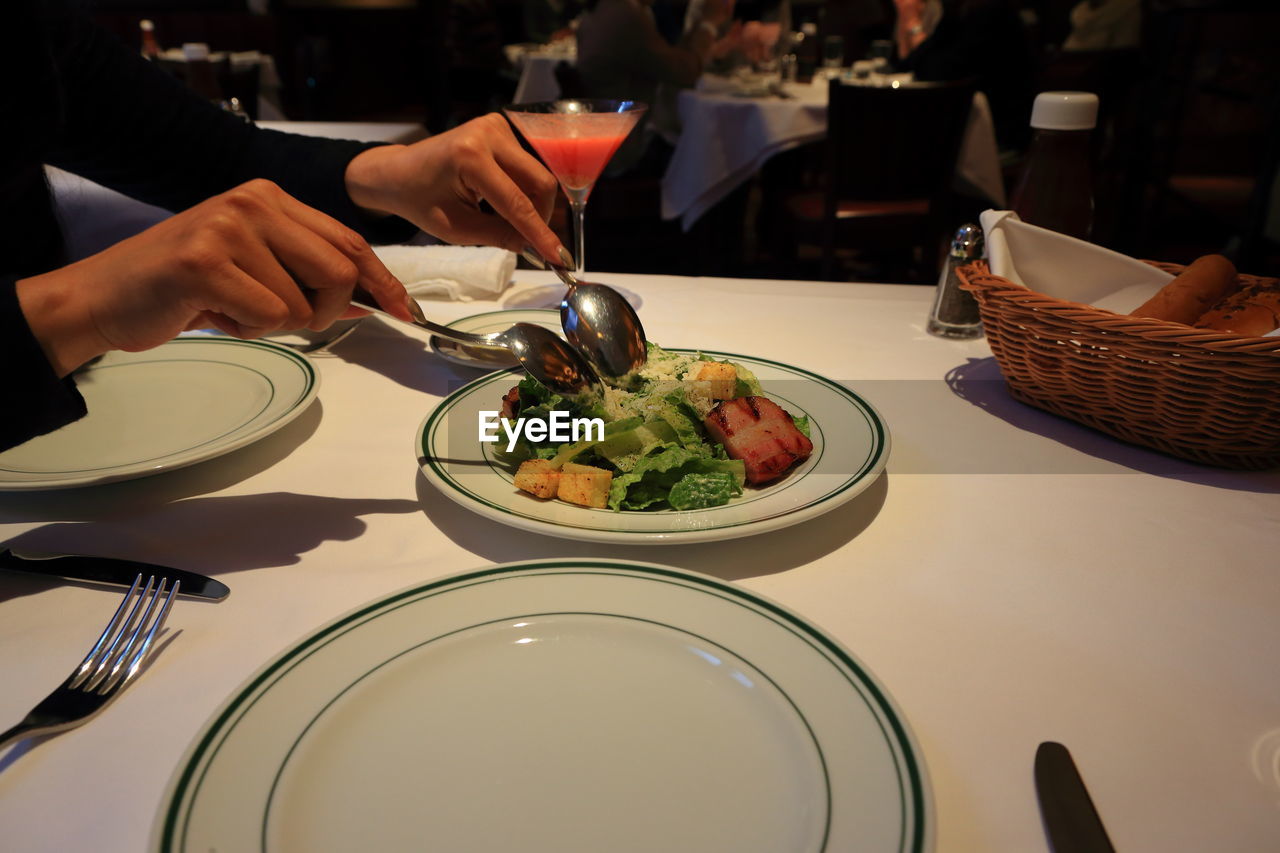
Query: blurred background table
726	139
536	66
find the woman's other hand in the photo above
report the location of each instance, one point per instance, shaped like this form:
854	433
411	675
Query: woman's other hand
438	185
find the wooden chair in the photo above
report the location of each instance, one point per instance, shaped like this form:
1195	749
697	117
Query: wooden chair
890	155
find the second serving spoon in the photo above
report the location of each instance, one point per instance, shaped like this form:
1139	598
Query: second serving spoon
601	323
541	352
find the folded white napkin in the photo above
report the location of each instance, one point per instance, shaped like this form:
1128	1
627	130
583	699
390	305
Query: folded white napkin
461	273
1066	268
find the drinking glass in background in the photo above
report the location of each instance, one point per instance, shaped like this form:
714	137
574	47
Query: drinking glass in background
833	53
881	56
788	67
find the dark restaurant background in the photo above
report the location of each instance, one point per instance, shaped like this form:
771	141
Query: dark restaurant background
1185	154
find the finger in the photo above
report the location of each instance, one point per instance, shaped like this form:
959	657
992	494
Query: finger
526	170
239	304
371	273
249	230
261	261
325	275
522	224
223	324
521	190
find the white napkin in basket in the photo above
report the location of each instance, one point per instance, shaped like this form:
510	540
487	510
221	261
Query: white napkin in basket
1066	268
461	273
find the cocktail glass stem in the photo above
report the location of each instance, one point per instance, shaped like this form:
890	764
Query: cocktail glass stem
579	252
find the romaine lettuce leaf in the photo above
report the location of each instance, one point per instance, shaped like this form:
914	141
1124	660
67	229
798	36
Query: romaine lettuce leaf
657	473
570	452
698	491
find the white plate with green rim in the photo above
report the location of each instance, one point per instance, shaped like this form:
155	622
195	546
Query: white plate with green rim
850	449
184	402
487	323
553	706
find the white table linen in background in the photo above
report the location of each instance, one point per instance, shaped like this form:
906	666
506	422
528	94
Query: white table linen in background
1012	578
725	139
536	64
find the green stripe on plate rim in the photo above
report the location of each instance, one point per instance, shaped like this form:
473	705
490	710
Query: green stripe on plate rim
224	340
862	406
300	361
911	788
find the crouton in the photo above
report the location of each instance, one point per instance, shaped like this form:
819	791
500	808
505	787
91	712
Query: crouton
714	380
538	478
584	485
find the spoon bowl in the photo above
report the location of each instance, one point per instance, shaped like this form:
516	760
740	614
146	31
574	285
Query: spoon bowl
541	352
601	324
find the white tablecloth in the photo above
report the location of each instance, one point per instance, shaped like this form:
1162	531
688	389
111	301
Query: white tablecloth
725	139
537	67
1012	578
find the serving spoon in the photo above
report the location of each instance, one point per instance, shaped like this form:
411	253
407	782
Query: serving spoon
602	325
541	352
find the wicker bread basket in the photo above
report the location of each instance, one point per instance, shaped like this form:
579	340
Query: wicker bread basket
1206	396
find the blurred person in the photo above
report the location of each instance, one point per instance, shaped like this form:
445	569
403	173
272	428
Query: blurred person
549	20
1105	25
622	54
982	40
272	230
753	36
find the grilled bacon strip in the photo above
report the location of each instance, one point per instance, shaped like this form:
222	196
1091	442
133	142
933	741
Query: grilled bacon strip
510	403
760	433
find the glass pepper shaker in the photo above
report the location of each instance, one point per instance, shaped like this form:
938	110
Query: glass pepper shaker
955	311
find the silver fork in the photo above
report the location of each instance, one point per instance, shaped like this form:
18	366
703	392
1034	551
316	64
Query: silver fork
111	664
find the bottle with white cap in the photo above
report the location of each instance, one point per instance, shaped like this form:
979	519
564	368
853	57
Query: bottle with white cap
1056	187
150	46
201	76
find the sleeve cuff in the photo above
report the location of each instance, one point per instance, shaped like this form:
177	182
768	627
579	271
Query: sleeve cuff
37	400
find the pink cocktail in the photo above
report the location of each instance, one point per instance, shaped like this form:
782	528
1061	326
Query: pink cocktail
576	139
576	160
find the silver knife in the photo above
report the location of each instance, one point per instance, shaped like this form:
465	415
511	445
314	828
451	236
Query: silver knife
110	571
1070	819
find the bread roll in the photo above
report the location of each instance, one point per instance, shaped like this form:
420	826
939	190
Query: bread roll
1195	290
1252	310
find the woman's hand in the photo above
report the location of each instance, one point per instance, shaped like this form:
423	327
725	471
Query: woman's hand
250	261
438	185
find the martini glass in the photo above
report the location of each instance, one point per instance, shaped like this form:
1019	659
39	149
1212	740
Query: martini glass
575	139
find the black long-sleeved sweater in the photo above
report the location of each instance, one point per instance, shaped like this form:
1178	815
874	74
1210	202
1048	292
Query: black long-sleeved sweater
75	97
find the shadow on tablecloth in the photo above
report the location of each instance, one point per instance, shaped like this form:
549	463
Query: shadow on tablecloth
1077	448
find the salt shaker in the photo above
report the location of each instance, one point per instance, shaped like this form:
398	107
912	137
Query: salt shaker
955	311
